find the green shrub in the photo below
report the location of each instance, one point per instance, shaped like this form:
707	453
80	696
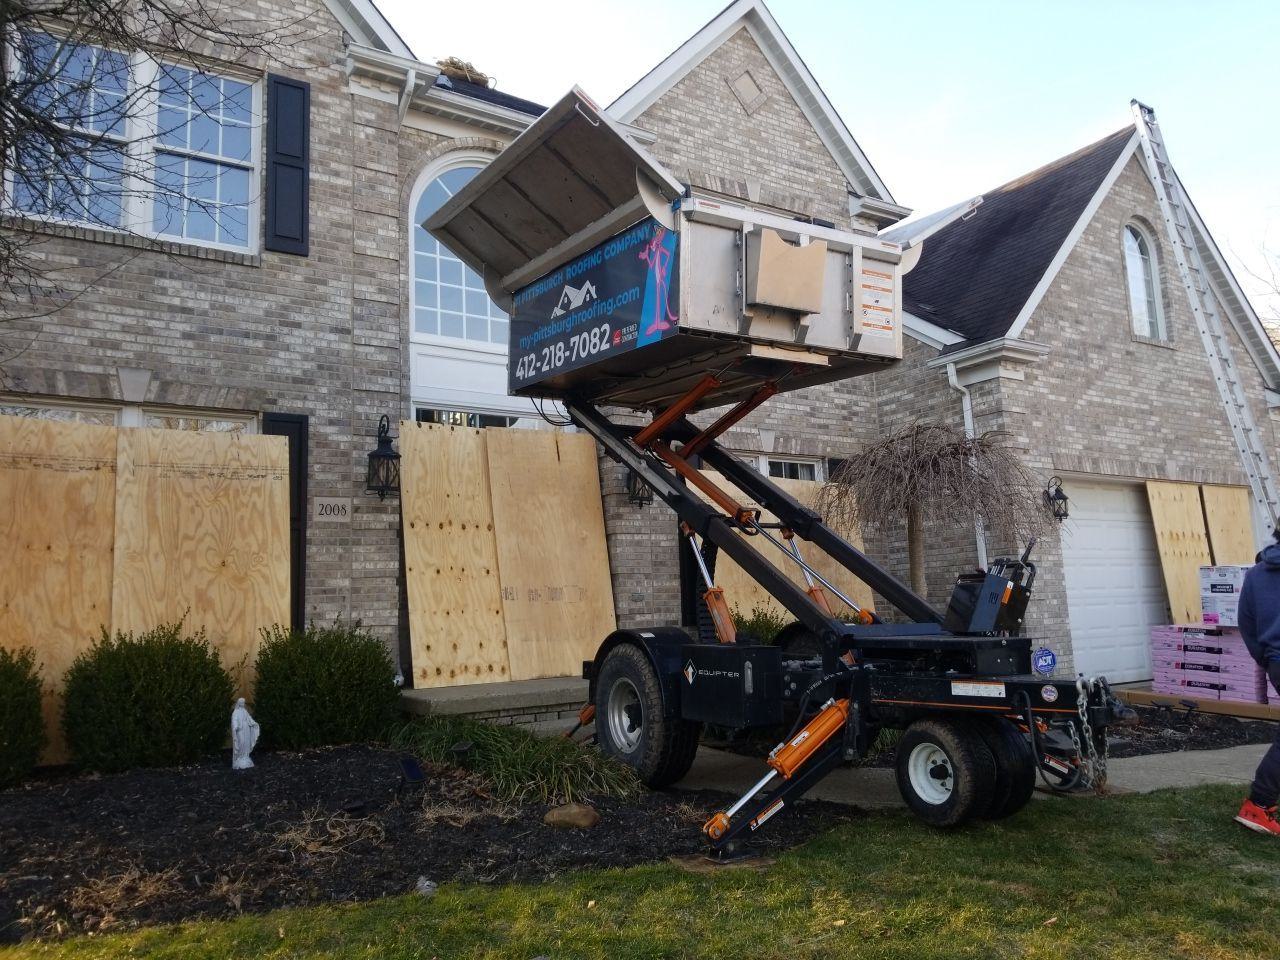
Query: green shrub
324	685
21	724
153	699
519	765
763	625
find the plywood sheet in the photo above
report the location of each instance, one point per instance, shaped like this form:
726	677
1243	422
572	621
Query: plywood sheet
557	594
202	529
744	594
1182	542
57	528
1229	523
456	629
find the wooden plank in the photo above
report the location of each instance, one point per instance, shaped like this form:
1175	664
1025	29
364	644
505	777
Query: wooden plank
1143	695
1183	544
202	529
1229	523
57	527
553	562
451	559
744	594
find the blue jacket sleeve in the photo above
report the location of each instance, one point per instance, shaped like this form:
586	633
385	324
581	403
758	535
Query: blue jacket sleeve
1248	620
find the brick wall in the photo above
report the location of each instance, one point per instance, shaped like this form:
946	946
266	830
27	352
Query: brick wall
319	335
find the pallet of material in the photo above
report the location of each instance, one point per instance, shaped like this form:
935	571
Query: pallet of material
1209	662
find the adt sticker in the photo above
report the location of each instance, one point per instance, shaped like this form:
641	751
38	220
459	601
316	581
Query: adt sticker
1044	661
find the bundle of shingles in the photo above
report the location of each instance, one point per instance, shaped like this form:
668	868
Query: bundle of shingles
1207	662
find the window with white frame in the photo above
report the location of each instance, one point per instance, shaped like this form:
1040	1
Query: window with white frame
448	298
129	415
1144	283
162	150
787	469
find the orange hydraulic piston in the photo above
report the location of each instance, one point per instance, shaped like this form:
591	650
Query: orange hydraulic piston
677	410
792	755
718	607
719	497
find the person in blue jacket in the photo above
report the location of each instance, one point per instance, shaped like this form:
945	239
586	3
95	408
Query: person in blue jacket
1260	627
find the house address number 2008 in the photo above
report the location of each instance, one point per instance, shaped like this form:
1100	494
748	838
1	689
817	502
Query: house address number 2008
331	509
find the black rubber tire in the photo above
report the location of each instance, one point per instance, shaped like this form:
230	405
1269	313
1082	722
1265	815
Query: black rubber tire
667	745
1015	766
973	771
798	641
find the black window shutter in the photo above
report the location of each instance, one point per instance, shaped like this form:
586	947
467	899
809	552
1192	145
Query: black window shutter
288	187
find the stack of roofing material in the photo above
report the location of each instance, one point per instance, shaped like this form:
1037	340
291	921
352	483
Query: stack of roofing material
1207	662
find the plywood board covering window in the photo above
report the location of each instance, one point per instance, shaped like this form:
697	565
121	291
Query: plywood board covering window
1183	544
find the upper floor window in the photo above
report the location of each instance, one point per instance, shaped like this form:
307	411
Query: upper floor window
136	144
448	298
1143	283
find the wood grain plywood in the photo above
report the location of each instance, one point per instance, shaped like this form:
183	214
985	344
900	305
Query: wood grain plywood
557	593
456	628
744	594
1229	523
1182	542
202	529
57	528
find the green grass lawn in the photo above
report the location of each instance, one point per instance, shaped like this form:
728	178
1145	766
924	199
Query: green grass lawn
1166	875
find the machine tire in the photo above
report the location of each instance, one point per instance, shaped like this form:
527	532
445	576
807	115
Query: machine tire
630	725
1015	766
796	640
945	771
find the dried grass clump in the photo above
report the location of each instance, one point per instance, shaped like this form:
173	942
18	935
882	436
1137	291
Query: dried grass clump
106	898
327	834
461	814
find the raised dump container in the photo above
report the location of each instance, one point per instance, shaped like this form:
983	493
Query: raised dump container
626	288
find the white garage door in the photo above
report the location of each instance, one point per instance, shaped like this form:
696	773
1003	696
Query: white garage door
1115	588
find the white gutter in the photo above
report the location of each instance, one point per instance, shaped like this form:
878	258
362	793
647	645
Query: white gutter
966	407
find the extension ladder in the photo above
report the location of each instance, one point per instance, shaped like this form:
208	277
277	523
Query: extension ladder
1174	208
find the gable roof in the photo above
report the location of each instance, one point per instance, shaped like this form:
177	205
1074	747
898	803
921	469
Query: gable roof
786	62
977	274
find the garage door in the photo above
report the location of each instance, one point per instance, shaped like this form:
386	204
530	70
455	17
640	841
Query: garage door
1115	588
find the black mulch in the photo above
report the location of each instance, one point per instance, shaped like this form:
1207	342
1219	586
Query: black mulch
155	846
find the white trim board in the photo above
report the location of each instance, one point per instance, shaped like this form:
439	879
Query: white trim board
930	334
1077	231
786	62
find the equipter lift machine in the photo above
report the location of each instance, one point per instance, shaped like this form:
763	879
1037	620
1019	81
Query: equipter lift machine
628	289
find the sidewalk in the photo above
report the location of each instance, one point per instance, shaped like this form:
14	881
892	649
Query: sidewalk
875	788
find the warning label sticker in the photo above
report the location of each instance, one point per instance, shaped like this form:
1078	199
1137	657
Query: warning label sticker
977	688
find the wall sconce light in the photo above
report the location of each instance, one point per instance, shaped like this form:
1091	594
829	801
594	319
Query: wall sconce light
383	475
1056	500
638	492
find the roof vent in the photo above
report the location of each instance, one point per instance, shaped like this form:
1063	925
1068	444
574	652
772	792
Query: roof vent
748	92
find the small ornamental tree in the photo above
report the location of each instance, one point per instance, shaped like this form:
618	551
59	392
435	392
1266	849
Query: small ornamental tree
929	471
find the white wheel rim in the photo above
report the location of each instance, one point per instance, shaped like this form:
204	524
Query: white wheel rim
931	774
625	715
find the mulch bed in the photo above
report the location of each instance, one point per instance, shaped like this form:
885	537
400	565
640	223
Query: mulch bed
154	846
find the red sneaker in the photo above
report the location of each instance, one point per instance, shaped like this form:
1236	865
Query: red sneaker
1261	819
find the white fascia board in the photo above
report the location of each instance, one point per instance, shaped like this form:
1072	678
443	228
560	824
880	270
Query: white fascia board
782	56
930	334
1024	315
1273	399
425	97
916	232
1005	348
365	22
881	212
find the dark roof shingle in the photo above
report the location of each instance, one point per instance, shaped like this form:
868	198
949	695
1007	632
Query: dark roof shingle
479	91
976	274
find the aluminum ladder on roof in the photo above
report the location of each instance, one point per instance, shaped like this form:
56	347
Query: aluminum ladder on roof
1174	208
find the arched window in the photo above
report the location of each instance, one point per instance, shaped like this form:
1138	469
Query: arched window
1144	284
448	298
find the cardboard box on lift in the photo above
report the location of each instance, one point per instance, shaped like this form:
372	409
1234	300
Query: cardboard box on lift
626	287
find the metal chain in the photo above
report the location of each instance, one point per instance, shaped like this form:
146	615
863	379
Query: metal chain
1092	763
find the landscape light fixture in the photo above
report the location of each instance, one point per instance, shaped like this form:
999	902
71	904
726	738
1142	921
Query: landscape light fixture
638	492
1056	500
383	475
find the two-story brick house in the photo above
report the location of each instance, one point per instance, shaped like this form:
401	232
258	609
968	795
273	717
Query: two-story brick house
360	313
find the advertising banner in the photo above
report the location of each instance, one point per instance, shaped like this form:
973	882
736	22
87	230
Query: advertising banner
620	295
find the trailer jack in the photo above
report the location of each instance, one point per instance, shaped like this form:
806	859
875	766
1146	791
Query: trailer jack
812	746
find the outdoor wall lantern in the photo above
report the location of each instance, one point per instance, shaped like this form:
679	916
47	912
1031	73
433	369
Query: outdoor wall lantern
638	492
1056	500
383	476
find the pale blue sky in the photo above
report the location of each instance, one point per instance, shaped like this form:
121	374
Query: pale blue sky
948	99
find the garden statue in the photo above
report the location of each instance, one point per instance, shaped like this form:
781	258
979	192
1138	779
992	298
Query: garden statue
244	734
